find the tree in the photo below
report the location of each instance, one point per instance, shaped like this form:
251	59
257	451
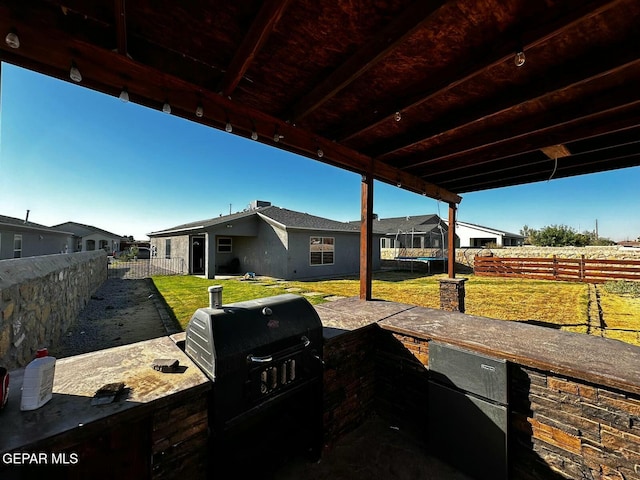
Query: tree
558	236
528	234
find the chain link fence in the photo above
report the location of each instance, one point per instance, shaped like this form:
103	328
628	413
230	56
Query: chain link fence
144	268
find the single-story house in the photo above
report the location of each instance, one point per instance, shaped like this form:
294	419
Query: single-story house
22	238
266	240
87	238
477	236
417	232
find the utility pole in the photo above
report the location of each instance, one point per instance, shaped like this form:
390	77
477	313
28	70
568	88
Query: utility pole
597	237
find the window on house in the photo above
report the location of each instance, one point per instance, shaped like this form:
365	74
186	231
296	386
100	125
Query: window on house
104	245
167	248
417	242
386	242
321	250
91	245
224	245
17	246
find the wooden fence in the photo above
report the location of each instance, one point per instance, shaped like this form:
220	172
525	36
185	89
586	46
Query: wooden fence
554	268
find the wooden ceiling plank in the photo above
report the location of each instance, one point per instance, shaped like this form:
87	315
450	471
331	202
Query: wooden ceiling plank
263	25
529	160
497	164
575	76
558	126
121	27
551	173
463	73
369	55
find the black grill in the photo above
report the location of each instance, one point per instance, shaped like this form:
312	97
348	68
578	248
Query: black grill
264	357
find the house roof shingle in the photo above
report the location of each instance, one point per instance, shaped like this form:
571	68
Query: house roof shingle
488	229
18	222
286	218
418	223
82	230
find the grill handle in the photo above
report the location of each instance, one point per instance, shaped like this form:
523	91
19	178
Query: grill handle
254	359
269	358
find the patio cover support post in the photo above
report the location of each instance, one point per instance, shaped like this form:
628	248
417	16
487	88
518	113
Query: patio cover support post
366	236
451	241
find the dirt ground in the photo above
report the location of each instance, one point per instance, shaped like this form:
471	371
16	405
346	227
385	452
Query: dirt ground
121	312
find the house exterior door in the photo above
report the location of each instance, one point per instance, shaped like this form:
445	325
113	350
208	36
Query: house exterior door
197	255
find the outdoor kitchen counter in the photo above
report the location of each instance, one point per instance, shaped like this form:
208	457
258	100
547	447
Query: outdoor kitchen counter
76	380
593	359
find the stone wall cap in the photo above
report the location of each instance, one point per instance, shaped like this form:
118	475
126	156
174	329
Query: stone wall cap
453	280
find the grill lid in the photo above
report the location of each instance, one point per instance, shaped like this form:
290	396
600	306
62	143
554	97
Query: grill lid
221	340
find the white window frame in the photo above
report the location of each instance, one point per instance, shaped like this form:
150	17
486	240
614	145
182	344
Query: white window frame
316	242
17	252
224	245
167	248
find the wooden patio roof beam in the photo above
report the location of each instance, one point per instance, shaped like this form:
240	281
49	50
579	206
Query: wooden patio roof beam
121	27
106	70
366	237
466	72
628	124
577	76
264	23
601	165
616	110
365	58
531	161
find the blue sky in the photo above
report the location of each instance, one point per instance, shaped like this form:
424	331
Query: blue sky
70	154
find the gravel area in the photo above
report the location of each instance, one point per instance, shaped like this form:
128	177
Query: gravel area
119	313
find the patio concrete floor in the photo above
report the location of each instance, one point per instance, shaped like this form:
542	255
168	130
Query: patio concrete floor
375	450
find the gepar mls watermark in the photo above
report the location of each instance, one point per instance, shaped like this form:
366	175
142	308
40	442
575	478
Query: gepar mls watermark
40	458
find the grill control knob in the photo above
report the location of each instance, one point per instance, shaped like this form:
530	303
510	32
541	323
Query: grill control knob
266	311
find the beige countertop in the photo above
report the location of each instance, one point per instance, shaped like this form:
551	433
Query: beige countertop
78	378
590	358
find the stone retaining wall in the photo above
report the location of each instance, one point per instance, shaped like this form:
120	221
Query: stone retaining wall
40	297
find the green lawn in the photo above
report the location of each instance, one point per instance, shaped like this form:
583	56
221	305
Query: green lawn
559	303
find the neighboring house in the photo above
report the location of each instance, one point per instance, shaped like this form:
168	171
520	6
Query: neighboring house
477	236
421	232
21	238
628	244
266	240
87	238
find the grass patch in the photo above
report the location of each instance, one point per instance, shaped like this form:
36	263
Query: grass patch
622	287
559	303
556	303
185	294
621	312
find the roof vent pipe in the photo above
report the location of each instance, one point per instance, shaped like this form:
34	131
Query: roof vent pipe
215	296
27	217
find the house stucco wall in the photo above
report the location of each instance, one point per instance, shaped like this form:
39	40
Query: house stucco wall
179	252
265	254
34	243
346	254
113	243
40	297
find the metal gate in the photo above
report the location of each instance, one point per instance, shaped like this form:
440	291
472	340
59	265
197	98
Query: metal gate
144	268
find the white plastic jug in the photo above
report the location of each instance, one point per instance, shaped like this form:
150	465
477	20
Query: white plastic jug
37	385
